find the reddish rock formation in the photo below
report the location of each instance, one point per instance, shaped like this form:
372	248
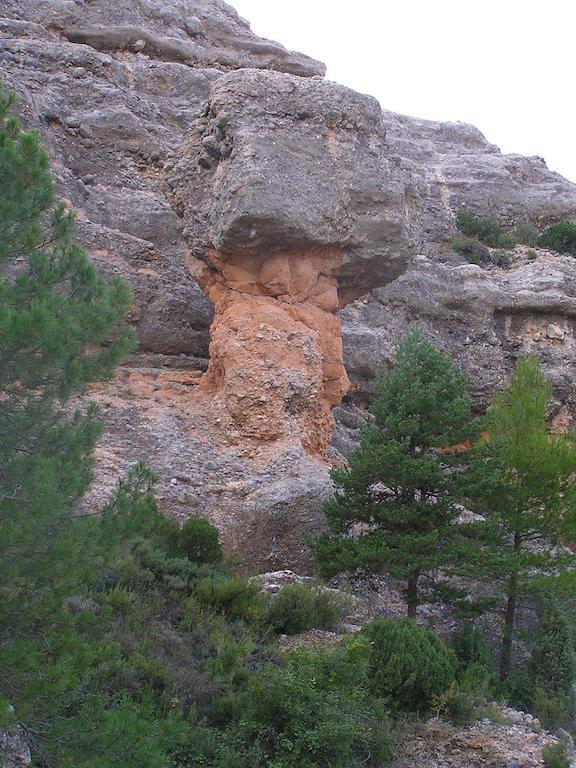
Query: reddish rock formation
276	346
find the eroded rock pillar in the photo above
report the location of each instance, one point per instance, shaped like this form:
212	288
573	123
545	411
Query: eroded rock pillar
276	345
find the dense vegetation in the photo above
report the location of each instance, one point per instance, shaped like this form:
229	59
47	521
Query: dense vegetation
485	230
524	481
559	237
396	511
478	233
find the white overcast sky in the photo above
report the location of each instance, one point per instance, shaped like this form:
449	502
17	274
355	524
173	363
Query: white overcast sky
506	66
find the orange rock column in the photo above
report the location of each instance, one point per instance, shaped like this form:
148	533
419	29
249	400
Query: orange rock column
276	345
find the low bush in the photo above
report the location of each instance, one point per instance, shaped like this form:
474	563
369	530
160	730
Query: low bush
556	756
486	230
409	665
236	597
559	237
461	708
519	690
198	540
470	648
555	710
501	258
526	233
553	659
472	249
304	715
297	608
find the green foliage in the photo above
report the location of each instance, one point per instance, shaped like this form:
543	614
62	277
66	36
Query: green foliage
501	258
523	480
553	659
314	711
555	710
559	237
457	706
132	512
198	541
397	485
526	233
60	327
297	608
470	647
472	249
236	597
556	756
486	230
409	664
519	690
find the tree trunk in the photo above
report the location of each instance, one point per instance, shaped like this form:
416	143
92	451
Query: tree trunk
412	594
509	617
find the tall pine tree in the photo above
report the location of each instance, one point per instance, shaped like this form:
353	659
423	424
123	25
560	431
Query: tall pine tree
523	480
395	505
60	327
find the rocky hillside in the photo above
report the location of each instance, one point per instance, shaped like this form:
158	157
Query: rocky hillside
234	187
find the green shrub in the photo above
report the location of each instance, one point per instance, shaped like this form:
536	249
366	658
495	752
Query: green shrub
234	596
519	690
118	599
408	664
555	710
526	233
300	716
501	258
486	230
461	708
559	237
472	249
297	608
329	608
531	255
198	540
556	756
470	647
553	659
479	680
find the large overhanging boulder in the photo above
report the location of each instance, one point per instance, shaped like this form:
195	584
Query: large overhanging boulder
291	208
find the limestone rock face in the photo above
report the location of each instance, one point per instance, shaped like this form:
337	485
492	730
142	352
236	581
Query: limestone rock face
448	166
281	163
113	86
485	318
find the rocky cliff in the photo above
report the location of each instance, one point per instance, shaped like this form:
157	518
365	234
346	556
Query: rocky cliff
280	233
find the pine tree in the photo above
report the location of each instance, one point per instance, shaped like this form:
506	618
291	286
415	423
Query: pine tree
524	481
60	327
395	505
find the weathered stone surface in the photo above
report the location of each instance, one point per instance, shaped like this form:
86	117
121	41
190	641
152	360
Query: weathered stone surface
448	166
264	498
295	205
306	166
484	317
113	87
14	750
